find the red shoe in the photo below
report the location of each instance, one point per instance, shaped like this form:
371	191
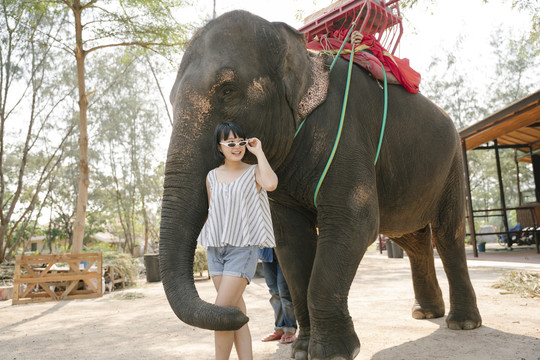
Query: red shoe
272	337
287	339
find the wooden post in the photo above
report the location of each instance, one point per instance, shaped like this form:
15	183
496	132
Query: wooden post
501	187
469	198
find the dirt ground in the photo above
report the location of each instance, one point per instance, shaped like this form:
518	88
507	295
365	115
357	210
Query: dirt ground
138	323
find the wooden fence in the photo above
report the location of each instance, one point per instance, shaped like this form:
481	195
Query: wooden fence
57	277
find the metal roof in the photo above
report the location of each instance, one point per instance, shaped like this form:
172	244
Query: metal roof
517	124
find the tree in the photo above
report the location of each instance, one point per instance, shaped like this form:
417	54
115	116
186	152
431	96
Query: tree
448	85
516	74
30	106
513	77
528	6
106	24
129	128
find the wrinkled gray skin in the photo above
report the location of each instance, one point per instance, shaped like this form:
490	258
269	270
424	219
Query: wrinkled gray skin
242	68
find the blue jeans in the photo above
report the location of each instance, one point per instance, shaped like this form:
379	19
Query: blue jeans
280	297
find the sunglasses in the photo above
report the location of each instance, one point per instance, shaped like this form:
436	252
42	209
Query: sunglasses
234	144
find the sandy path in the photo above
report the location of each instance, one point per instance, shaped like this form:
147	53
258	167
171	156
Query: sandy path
380	302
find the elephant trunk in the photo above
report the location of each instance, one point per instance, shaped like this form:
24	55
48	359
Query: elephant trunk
184	211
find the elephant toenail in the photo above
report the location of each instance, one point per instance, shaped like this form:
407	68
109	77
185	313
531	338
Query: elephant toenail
418	315
469	325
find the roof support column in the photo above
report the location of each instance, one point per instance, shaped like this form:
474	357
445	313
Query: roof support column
535	161
501	187
472	231
518	183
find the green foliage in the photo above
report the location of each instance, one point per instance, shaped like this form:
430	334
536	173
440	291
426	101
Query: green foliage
200	263
144	23
36	57
31	109
449	84
130	176
531	7
7	271
516	74
100	247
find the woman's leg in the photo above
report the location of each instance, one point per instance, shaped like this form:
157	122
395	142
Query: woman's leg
229	293
242	338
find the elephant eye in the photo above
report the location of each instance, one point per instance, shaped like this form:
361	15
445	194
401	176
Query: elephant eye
227	91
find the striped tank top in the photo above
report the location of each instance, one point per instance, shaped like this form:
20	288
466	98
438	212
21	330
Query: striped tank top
238	215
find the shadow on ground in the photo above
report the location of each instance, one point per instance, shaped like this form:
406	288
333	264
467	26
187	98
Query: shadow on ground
471	344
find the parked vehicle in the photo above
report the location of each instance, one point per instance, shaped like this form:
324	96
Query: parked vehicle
518	235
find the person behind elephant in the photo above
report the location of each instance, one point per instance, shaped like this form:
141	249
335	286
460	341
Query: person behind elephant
280	299
238	224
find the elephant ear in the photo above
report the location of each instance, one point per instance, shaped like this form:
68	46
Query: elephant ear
305	75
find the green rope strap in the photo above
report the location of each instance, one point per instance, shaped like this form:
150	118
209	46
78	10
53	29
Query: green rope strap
338	136
384	116
344	107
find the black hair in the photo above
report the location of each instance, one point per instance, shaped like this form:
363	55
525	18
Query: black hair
222	132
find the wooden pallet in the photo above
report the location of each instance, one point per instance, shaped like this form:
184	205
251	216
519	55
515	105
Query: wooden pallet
40	278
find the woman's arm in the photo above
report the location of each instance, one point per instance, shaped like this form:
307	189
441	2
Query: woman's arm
208	190
264	175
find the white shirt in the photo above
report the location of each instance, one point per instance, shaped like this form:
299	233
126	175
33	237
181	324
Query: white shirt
238	215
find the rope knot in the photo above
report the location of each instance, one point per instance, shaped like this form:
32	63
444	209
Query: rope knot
356	38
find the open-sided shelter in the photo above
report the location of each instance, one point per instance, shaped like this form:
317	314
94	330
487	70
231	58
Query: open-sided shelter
517	126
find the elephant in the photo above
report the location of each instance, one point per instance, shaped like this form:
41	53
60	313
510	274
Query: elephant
240	67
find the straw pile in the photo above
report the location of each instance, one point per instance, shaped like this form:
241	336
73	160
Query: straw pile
523	283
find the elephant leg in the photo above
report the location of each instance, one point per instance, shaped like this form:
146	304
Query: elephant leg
428	302
341	245
296	240
449	236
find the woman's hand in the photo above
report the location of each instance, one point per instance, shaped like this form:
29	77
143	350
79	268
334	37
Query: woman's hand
264	175
254	146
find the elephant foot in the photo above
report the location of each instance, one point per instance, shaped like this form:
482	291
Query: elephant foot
341	347
300	348
465	319
427	311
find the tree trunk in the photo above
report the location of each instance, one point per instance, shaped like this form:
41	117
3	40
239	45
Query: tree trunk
3	248
146	230
84	171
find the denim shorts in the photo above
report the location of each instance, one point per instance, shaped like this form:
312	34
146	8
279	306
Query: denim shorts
239	261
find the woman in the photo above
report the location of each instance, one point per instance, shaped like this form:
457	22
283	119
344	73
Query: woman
238	224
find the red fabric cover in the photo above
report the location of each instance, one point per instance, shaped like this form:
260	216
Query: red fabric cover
400	68
362	58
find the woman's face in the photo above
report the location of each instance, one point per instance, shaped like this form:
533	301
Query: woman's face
233	153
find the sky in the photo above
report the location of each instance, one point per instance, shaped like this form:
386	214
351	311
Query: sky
427	32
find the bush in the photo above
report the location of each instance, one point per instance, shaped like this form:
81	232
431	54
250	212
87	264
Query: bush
200	262
6	274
